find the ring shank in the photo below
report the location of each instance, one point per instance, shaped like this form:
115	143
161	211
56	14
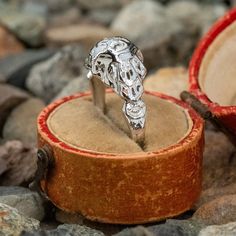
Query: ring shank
98	91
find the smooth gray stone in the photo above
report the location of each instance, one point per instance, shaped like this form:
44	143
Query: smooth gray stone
66	230
15	68
13	190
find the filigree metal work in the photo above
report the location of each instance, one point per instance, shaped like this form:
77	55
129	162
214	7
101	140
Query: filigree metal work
119	65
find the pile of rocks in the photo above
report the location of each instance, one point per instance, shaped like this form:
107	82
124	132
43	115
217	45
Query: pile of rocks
167	34
43	45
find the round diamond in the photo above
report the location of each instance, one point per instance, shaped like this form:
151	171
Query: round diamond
135	110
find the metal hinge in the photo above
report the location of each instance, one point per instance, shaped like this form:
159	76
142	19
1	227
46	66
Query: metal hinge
45	161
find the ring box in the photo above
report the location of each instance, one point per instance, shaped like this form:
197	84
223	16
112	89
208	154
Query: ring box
100	172
212	71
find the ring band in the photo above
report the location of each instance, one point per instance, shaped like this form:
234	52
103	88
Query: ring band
117	63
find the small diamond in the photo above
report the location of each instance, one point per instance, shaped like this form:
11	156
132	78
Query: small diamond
135	110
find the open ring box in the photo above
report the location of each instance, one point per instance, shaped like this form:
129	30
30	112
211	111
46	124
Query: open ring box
95	169
213	71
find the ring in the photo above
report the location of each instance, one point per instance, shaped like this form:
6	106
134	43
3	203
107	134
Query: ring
117	63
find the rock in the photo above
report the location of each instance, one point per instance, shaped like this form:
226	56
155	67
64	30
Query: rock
27	27
195	16
146	15
170	81
13	190
95	4
15	68
21	163
76	218
103	16
39	8
58	5
136	231
159	37
171	227
66	229
3	166
68	218
47	78
10	97
209	15
221	210
13	223
186	12
8	43
212	193
78	85
65	18
177	228
187	16
22	122
219	160
85	34
79	230
28	204
219	230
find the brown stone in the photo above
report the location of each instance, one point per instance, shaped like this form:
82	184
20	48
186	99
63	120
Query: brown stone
68	218
222	210
3	166
22	122
170	81
21	163
219	160
212	193
86	34
8	43
10	97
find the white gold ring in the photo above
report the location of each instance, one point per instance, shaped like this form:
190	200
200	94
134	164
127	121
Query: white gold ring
117	63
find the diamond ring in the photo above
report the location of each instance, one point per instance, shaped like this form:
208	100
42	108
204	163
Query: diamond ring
117	63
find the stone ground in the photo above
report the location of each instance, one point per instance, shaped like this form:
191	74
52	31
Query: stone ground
43	45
